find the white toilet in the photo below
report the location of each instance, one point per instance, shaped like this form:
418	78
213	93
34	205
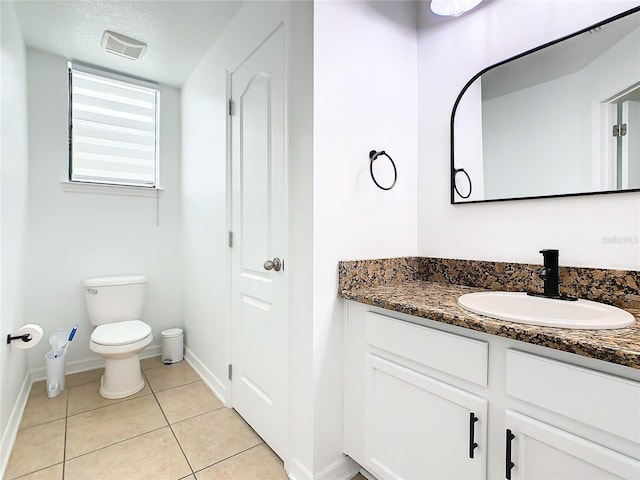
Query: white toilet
114	305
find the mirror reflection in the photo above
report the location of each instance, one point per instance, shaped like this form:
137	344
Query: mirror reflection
563	119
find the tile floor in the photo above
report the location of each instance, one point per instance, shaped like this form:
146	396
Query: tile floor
175	428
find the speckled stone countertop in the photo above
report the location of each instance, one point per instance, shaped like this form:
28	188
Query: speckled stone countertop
417	286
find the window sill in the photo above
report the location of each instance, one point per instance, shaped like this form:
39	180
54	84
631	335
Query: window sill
102	189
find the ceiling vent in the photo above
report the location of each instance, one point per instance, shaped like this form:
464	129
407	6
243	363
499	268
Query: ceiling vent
122	45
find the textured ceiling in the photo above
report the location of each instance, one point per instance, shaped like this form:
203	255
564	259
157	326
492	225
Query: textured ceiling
178	32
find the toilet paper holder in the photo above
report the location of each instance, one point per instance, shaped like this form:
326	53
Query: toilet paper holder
25	338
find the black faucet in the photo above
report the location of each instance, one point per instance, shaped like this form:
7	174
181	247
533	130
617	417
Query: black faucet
550	275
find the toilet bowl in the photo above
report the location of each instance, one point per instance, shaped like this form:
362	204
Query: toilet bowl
114	305
119	344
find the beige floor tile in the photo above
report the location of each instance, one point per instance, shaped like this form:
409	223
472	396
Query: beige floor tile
107	425
359	477
258	463
187	401
151	362
36	448
38	388
85	397
155	455
169	376
212	437
83	377
190	477
51	473
41	409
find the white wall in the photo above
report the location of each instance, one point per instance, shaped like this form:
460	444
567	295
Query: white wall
205	203
75	236
596	231
13	208
365	98
300	242
204	184
362	51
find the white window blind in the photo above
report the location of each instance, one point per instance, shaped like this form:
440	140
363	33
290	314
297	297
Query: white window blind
113	131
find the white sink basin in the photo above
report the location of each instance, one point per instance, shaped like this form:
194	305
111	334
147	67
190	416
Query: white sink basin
522	308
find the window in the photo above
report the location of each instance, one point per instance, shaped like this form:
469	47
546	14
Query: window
113	129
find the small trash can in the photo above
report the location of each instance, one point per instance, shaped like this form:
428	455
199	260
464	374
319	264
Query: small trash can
172	345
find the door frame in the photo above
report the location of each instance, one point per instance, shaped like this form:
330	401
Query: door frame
255	45
604	148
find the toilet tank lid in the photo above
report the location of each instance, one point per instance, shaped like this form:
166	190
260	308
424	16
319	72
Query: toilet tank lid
121	280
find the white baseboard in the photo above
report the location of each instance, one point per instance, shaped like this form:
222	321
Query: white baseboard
296	471
86	364
9	434
366	474
151	351
342	469
217	387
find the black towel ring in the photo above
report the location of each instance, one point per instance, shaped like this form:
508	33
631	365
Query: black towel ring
455	185
374	155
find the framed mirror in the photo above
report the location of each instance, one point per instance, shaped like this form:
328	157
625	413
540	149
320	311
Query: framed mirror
558	120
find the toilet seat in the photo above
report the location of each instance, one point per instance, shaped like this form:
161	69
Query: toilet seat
120	333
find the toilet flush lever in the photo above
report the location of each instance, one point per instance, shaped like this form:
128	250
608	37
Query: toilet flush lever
92	291
275	264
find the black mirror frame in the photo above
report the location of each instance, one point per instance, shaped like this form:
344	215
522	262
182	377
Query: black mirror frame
454	170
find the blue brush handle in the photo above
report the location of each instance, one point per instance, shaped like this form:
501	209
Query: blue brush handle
73	332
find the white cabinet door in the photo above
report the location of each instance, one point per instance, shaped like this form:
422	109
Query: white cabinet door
418	428
539	451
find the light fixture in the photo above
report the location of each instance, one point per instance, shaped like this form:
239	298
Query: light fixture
453	8
122	45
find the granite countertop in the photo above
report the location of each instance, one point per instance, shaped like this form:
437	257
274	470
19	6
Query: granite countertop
438	301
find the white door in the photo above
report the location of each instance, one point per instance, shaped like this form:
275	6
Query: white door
630	144
539	451
419	428
259	294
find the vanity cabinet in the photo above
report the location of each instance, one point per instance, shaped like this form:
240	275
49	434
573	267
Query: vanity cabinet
538	451
419	427
598	413
407	413
425	402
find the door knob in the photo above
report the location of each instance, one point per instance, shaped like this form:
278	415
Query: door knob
274	264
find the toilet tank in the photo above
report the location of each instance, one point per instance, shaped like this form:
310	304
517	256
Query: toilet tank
114	299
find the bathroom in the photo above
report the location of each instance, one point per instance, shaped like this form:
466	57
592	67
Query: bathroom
363	76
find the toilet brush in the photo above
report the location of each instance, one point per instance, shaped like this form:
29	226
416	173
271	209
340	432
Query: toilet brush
71	335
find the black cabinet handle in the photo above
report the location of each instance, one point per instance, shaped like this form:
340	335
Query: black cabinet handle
472	433
508	463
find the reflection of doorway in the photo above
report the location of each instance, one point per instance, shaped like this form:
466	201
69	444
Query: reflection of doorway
620	157
628	141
